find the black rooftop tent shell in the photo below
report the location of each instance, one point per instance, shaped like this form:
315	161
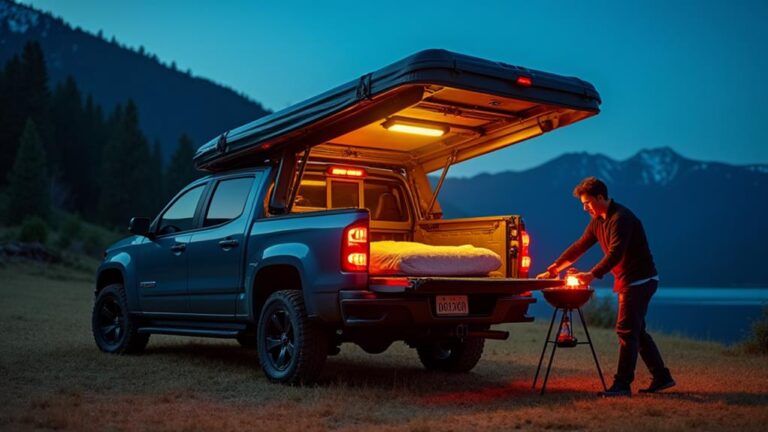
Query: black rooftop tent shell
302	124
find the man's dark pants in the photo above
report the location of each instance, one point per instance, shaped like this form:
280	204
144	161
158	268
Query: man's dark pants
630	327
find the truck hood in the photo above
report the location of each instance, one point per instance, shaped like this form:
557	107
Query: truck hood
479	105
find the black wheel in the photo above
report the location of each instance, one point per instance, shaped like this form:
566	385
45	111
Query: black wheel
113	328
291	348
451	355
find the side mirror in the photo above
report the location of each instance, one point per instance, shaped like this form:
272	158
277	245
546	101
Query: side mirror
139	226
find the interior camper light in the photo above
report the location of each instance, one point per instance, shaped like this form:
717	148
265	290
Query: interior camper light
415	127
341	171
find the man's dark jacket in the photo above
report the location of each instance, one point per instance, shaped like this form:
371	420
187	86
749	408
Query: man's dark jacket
622	239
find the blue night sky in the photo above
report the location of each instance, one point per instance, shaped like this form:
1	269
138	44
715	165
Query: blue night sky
691	75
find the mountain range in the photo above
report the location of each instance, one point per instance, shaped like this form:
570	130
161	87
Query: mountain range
171	102
705	221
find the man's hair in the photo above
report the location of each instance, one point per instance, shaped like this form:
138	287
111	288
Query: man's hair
592	186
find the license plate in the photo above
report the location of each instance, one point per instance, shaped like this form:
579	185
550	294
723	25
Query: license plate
456	305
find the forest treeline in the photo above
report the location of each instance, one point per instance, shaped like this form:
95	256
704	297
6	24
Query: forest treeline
61	150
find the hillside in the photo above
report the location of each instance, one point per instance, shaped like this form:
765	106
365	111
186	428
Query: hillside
171	102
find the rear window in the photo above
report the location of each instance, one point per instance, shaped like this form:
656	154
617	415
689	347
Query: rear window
345	194
386	199
312	192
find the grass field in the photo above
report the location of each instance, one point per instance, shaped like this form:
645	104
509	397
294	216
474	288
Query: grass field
52	377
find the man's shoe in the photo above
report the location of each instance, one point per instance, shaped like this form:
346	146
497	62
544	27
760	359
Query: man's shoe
616	391
659	385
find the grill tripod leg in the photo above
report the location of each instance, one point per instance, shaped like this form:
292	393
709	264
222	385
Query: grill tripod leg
594	355
554	348
544	350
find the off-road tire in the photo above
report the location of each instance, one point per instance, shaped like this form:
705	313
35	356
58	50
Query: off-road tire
451	355
292	349
113	328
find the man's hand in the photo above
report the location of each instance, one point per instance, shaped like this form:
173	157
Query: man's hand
584	277
546	275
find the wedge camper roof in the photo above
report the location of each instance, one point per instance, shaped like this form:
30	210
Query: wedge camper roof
473	106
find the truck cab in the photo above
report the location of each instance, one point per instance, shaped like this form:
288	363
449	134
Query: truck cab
274	247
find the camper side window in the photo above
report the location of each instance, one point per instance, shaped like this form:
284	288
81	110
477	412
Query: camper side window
386	201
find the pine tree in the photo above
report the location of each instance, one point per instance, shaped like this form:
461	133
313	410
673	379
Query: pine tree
28	182
96	135
36	97
181	169
12	114
126	187
70	139
157	178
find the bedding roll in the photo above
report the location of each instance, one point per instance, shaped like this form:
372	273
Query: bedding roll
418	259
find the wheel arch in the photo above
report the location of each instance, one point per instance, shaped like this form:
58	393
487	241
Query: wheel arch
270	279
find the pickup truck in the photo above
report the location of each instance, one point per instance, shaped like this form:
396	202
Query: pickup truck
273	247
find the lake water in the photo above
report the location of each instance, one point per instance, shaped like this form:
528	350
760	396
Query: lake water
717	314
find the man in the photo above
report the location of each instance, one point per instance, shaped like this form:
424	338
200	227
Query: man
627	255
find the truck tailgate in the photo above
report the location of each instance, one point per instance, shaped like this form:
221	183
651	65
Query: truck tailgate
459	285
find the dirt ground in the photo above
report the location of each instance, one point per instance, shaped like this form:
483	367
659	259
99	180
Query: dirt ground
52	377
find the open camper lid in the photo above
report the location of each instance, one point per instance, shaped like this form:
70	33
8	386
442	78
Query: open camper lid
461	107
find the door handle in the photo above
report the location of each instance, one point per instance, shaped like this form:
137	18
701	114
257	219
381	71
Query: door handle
228	243
179	247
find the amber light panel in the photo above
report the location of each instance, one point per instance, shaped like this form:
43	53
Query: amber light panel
415	127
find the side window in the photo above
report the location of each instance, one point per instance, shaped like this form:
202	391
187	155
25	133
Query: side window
386	201
344	194
181	215
228	201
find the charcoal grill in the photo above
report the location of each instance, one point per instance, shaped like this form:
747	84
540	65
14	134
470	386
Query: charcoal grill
572	296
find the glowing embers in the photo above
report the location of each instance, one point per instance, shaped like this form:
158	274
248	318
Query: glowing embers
573	282
415	127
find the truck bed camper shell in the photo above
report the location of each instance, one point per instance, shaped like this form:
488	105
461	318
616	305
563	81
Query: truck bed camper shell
456	107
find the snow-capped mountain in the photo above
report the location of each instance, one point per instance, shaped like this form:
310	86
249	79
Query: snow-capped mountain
706	221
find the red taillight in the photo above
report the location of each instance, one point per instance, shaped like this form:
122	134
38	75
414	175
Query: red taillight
525	260
524	81
339	171
354	248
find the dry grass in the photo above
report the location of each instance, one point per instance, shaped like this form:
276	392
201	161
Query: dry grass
52	376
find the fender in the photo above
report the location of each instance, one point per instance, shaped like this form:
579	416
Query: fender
122	262
296	255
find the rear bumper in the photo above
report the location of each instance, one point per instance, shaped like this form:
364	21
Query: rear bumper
366	308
